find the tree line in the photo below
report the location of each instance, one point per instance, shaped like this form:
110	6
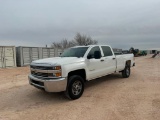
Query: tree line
79	40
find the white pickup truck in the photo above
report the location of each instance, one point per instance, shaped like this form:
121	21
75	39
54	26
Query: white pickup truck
77	65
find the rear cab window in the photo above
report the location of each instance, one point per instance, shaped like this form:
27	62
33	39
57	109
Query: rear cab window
106	51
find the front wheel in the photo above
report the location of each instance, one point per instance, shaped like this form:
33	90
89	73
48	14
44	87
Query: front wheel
75	87
126	72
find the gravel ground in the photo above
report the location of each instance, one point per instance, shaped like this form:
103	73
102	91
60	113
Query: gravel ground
109	98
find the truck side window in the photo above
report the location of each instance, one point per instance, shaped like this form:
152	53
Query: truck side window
91	53
107	51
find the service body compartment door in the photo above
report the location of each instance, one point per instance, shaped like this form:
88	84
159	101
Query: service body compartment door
59	52
45	53
51	53
26	56
9	56
1	57
34	54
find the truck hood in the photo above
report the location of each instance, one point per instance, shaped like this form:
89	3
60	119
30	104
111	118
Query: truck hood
57	61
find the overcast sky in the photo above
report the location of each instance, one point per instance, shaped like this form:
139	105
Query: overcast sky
120	23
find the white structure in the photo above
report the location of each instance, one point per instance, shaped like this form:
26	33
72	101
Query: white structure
25	55
7	56
151	50
154	50
47	52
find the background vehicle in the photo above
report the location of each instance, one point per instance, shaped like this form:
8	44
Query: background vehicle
75	66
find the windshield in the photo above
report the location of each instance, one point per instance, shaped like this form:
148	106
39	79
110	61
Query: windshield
74	52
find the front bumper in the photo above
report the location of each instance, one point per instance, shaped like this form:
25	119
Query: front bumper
51	85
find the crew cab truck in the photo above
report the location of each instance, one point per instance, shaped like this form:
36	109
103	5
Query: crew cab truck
77	65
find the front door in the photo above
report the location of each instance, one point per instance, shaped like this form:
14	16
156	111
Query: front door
94	66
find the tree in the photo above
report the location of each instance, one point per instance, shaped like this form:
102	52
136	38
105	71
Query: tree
83	40
63	44
78	40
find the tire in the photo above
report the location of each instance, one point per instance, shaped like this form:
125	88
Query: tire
75	87
126	72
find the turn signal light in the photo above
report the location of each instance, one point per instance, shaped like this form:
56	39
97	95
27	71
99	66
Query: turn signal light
58	74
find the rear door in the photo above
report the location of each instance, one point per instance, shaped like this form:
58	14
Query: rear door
109	60
9	56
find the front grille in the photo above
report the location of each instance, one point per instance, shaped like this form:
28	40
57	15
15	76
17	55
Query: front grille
38	74
42	67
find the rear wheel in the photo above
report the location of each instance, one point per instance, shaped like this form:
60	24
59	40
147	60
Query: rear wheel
126	72
75	87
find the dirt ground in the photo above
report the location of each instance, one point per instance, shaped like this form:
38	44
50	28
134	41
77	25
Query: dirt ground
109	98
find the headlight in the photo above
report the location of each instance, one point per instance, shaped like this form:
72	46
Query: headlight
57	68
57	72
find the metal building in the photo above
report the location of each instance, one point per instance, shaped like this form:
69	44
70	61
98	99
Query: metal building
7	56
117	50
25	55
47	52
58	52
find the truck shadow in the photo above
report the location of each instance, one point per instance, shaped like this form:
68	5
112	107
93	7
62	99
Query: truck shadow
46	96
28	97
103	80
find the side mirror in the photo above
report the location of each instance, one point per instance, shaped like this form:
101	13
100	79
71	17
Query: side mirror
89	57
97	55
59	54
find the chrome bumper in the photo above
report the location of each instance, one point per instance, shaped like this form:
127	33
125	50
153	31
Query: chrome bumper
51	85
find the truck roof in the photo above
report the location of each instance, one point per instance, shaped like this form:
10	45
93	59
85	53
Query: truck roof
78	46
90	46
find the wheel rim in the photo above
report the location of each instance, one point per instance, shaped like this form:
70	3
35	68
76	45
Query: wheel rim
76	87
127	72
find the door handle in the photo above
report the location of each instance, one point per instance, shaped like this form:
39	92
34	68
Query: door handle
113	58
102	60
